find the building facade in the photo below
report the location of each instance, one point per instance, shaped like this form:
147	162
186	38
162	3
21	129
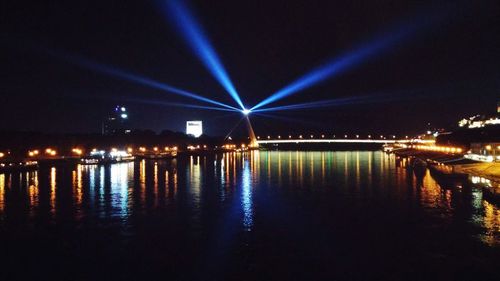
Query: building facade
194	128
117	122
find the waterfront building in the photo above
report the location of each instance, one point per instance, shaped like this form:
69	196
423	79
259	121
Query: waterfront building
117	122
194	128
485	152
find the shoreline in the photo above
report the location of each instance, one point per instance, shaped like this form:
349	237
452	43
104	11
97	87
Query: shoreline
455	166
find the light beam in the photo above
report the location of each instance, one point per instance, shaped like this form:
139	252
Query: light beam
373	98
128	76
193	34
340	64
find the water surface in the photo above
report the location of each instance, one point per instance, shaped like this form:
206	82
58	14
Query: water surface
262	215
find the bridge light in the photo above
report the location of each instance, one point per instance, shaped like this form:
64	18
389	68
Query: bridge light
300	136
345	136
258	137
279	137
322	136
268	137
289	136
357	136
312	136
381	136
369	136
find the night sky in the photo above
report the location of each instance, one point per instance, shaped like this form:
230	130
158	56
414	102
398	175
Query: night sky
446	71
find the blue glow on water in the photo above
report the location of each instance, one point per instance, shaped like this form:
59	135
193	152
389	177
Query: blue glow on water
246	196
192	32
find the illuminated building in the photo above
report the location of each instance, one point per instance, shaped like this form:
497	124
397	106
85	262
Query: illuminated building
194	128
485	152
480	121
117	122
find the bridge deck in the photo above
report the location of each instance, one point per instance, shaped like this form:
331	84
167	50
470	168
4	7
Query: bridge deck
382	141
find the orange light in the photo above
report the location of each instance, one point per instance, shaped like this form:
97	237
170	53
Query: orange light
130	150
155	148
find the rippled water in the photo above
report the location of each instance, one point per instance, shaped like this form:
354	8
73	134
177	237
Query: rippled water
262	215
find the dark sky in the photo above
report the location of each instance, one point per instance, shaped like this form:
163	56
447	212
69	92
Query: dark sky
447	71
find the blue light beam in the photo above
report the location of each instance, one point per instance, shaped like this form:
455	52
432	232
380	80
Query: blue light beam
131	77
340	64
363	99
193	34
176	104
319	104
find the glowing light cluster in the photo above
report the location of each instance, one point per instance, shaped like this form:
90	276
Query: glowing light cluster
446	149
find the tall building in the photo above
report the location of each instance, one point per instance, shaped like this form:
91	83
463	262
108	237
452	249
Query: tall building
194	128
117	122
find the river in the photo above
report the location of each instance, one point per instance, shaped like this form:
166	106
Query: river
266	215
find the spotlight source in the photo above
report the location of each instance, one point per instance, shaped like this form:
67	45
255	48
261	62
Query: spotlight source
246	111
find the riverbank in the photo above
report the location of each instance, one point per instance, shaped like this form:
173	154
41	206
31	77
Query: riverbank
455	166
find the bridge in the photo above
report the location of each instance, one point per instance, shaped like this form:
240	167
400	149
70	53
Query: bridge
340	140
278	141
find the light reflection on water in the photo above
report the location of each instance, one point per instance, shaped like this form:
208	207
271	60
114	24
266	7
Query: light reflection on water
246	196
117	192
